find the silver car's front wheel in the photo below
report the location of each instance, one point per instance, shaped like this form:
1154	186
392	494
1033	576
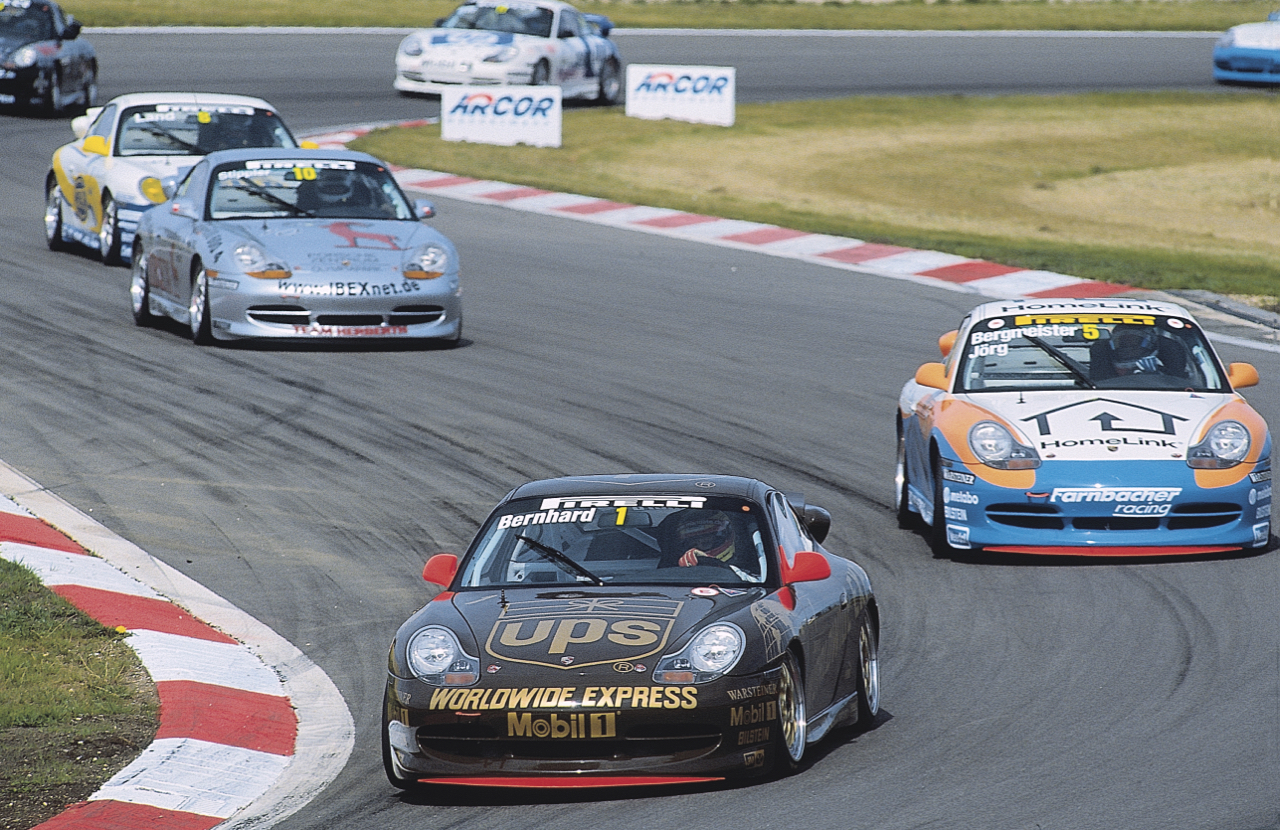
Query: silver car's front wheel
198	310
140	289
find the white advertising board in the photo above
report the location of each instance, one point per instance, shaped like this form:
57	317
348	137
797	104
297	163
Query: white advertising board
502	115
701	94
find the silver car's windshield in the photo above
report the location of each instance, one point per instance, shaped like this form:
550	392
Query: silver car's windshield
1087	351
310	188
515	18
197	130
674	540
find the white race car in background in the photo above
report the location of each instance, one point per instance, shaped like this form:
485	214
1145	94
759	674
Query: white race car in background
489	43
99	185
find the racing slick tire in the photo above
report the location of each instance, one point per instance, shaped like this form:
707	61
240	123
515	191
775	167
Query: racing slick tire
89	93
201	325
53	218
399	777
109	232
140	290
868	673
55	101
938	531
610	84
792	717
902	501
541	74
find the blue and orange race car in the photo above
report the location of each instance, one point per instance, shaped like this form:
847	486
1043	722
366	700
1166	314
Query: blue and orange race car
1083	427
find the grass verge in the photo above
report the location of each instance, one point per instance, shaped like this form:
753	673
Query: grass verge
77	704
1125	15
1165	190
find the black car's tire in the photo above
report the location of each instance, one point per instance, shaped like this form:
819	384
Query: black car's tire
792	717
89	92
201	327
610	84
396	775
868	672
541	74
109	232
140	289
53	218
902	501
55	102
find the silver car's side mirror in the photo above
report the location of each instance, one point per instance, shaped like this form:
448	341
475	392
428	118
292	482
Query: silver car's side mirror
424	208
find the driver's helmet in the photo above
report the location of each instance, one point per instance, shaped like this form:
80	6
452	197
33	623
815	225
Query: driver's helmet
1135	349
710	532
335	186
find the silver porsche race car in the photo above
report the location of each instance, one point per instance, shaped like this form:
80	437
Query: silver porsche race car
528	42
295	243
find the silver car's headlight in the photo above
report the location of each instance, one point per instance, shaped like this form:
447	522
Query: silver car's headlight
995	446
411	46
24	57
713	651
435	656
251	260
503	55
426	262
1225	445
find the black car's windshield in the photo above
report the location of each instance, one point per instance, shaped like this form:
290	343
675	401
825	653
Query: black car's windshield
26	22
516	18
197	129
676	540
324	188
1094	351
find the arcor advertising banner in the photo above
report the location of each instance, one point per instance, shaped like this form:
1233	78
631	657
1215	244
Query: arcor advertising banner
502	115
702	94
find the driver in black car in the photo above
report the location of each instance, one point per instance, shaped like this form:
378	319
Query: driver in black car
704	535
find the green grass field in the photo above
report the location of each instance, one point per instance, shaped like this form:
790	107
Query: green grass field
1169	190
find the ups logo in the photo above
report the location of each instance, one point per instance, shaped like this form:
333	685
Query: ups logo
548	632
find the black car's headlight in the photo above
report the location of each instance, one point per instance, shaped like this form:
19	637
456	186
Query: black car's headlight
713	651
995	446
435	656
24	57
1225	445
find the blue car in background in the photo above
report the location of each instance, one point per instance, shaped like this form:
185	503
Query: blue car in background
1249	53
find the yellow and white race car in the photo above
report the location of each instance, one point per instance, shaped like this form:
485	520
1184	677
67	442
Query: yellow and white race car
99	185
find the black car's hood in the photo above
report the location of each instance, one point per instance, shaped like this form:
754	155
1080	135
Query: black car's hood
9	45
573	629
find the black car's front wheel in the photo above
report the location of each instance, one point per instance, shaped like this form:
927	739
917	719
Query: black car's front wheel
399	777
868	672
793	727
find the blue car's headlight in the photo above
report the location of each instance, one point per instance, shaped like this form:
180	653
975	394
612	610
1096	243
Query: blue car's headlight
1225	445
435	656
995	446
713	651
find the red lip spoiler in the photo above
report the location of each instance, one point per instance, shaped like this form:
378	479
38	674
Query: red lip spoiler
570	781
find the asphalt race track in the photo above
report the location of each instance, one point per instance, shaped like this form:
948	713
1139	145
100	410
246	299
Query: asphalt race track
308	486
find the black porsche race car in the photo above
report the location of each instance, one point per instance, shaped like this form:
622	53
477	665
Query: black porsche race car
633	629
43	61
